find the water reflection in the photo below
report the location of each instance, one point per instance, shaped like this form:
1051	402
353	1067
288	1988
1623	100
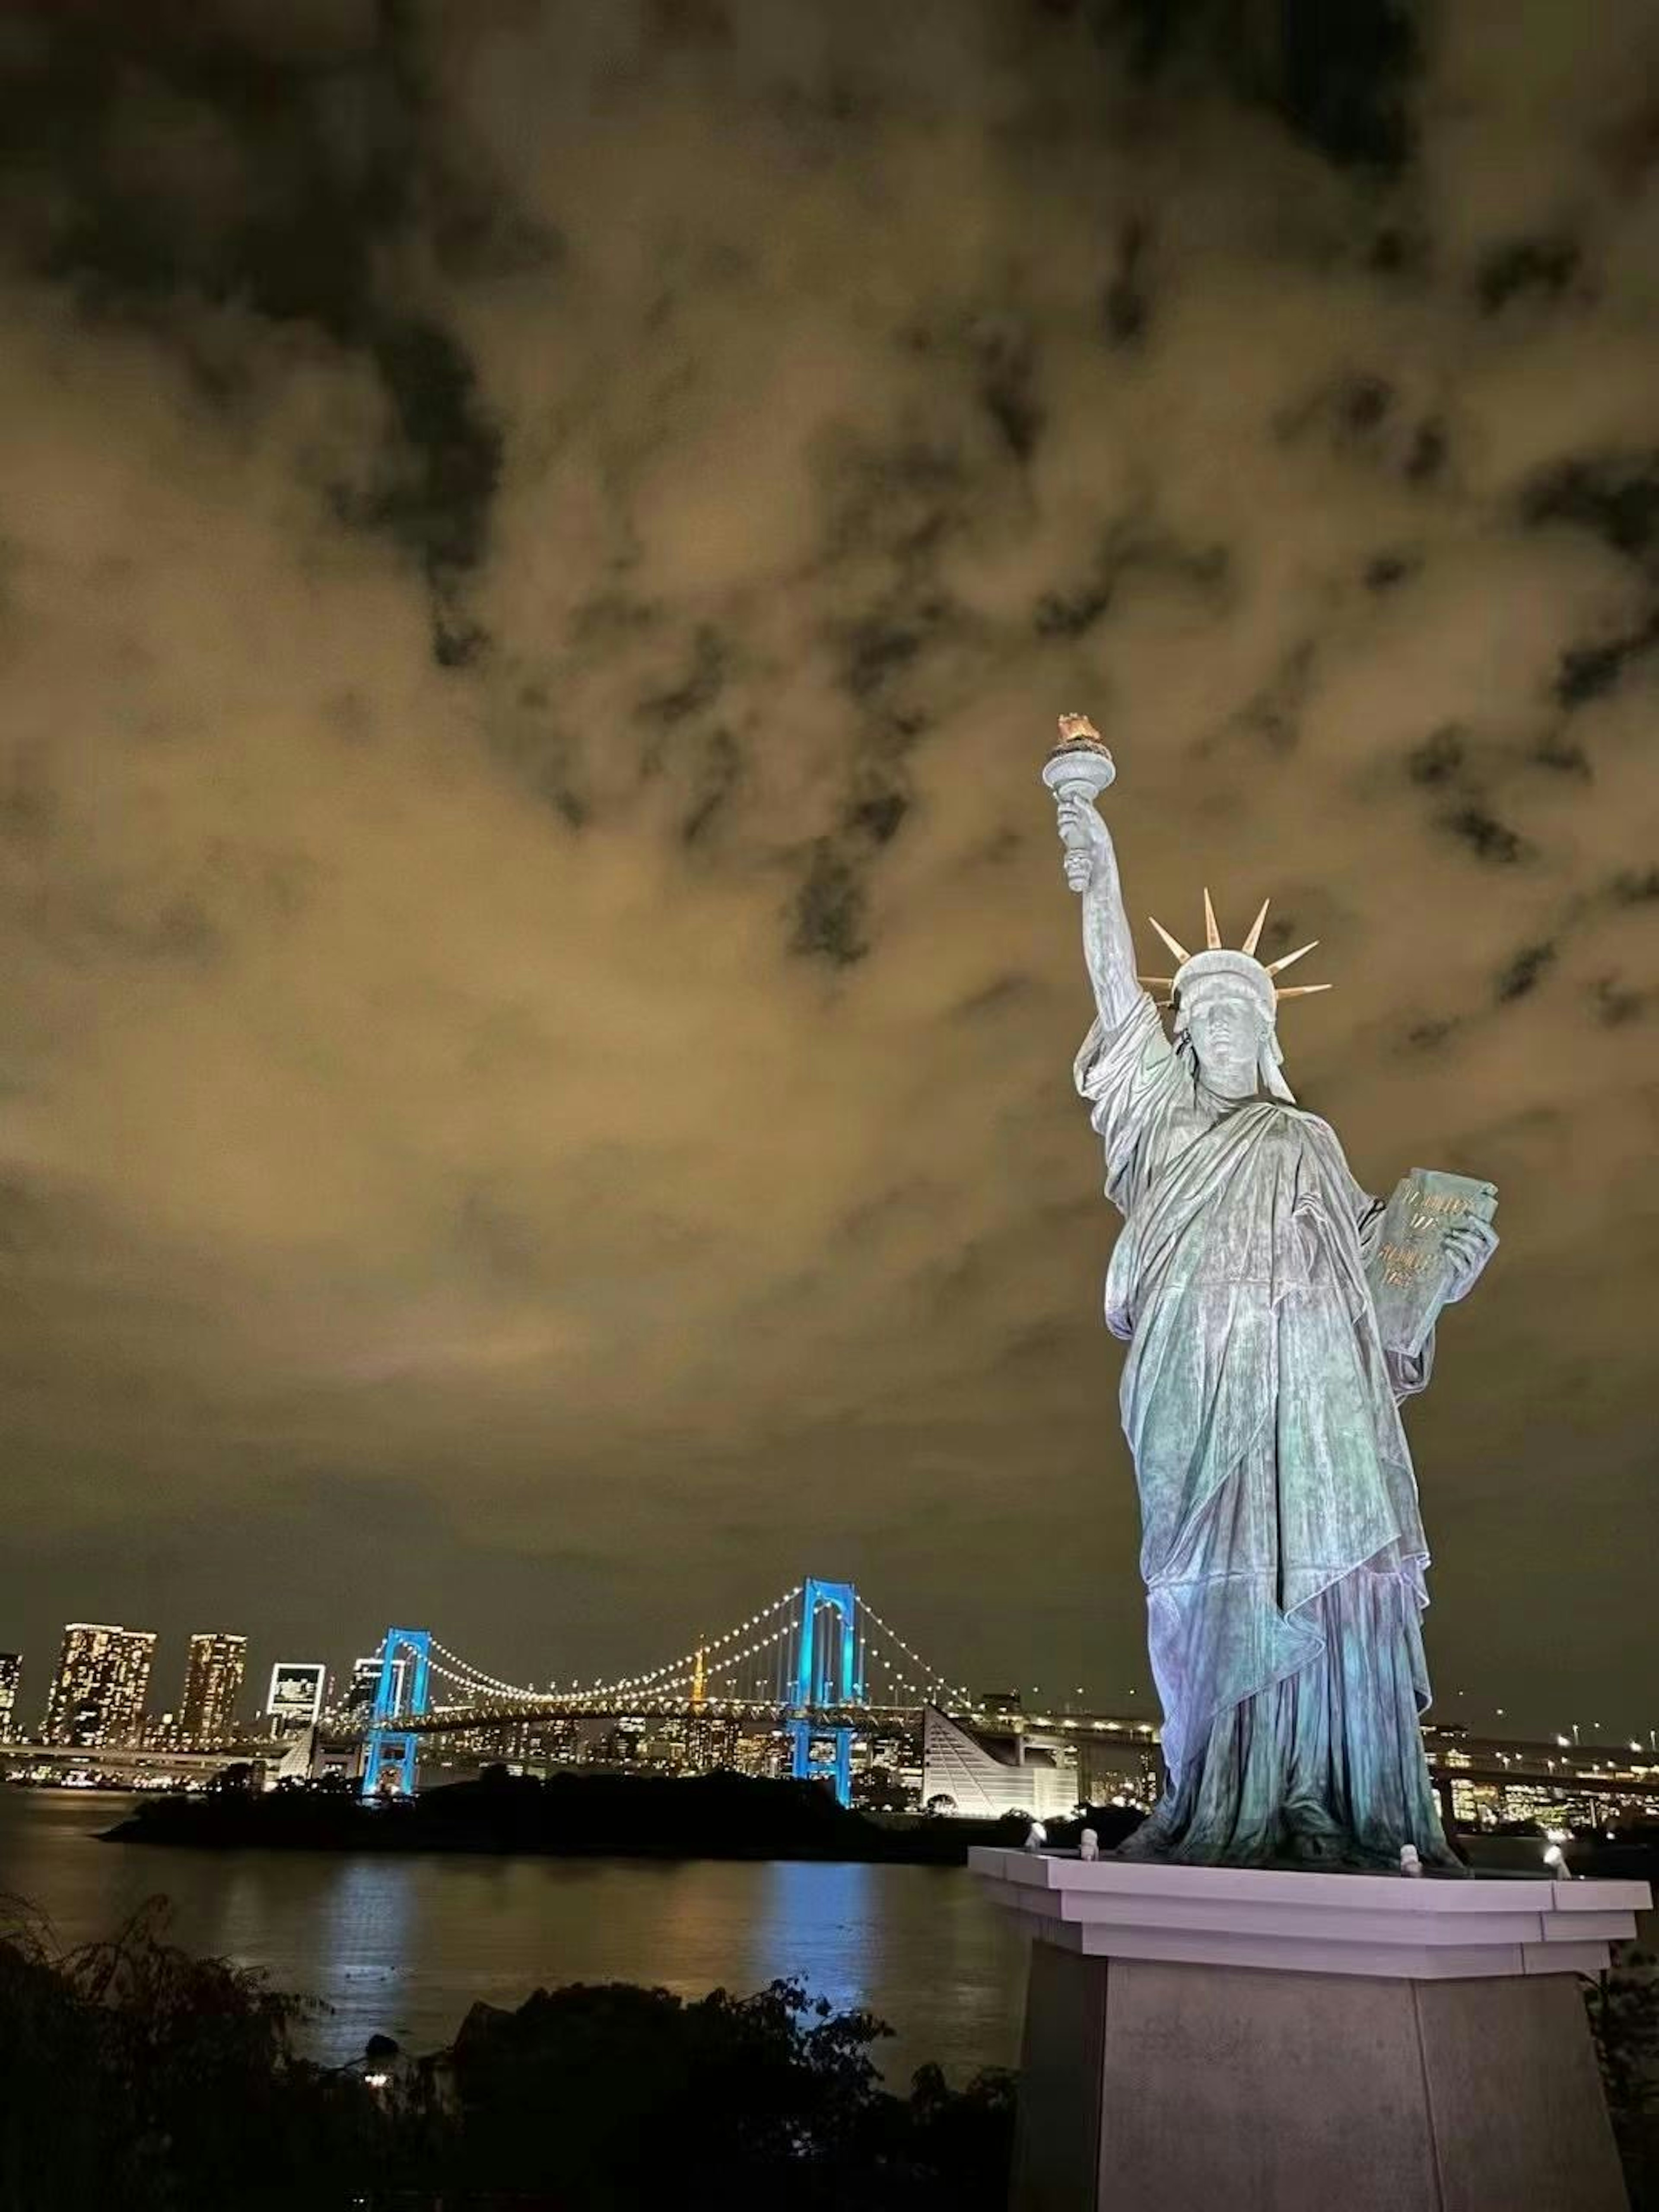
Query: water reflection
818	1924
405	1946
366	1929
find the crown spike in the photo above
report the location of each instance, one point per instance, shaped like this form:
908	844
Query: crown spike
1254	937
1302	990
1174	944
1274	966
1211	928
1157	982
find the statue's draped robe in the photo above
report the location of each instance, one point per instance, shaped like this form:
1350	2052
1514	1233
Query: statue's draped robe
1283	1549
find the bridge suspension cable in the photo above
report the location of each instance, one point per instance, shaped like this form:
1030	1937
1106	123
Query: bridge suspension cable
929	1677
766	1643
721	1654
463	1673
686	1663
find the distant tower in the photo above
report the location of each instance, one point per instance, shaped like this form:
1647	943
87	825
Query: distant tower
390	1755
699	1678
97	1695
11	1669
213	1682
828	1673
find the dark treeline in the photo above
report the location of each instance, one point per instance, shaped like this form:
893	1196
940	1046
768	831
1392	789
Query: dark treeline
145	2080
704	1816
138	2078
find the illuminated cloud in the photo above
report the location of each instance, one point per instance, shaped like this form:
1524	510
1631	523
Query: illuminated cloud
540	558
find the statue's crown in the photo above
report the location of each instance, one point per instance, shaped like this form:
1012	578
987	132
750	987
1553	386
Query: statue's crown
1218	959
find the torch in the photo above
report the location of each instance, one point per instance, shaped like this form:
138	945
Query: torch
1080	767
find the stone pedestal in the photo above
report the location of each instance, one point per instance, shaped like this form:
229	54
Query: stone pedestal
1199	2036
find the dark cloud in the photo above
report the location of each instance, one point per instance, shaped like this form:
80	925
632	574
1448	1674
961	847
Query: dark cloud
1589	672
1615	497
1616	1002
995	998
1525	972
176	168
1445	761
1362	404
1522	268
1342	72
1441	759
697	690
830	916
1365	417
1384	571
1273	717
1008	389
1487	837
444	477
1070	614
877	813
879	648
1426	459
1562	755
718	776
527	735
539	553
1134	553
1126	308
1430	1035
1336	72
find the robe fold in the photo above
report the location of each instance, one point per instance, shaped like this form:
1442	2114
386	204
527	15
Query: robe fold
1282	1546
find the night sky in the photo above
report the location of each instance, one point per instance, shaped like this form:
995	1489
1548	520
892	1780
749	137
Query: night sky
540	546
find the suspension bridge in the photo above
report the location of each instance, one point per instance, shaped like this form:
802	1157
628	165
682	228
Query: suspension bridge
818	1662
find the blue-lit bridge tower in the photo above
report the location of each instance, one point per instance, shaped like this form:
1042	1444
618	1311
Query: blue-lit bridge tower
400	1695
828	1671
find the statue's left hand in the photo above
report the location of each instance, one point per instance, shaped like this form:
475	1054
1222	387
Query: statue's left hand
1469	1244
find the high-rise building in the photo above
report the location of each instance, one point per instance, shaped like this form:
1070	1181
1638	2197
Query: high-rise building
11	1669
213	1682
359	1701
711	1745
98	1694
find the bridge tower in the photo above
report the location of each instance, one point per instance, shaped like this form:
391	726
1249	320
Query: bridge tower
828	1671
400	1695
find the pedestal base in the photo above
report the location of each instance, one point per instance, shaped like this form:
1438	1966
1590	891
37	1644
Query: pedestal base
1199	2036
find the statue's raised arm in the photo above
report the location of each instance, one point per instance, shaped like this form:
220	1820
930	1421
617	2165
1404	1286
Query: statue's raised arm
1078	771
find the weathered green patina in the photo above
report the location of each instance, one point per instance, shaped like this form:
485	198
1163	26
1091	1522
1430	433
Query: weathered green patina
1283	1548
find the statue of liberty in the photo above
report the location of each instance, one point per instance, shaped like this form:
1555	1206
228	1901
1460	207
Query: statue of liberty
1282	1546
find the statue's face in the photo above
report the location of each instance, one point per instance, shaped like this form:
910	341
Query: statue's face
1225	1025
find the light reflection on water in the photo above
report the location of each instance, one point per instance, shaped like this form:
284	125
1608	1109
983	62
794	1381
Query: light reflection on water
404	1946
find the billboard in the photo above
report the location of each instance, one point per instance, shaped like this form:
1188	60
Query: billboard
296	1690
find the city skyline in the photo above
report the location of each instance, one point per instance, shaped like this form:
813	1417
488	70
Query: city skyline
991	1755
543	560
347	1687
